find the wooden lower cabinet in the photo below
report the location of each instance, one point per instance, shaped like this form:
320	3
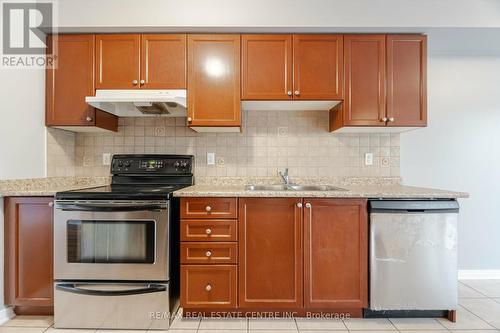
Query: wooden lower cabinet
204	286
209	208
335	253
209	253
209	230
270	251
28	254
289	254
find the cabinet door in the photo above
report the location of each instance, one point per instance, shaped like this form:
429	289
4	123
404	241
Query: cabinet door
406	80
335	253
364	60
117	61
28	251
270	253
318	66
208	286
266	67
163	61
214	80
65	95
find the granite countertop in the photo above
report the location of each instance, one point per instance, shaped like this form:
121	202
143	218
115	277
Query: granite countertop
356	188
48	186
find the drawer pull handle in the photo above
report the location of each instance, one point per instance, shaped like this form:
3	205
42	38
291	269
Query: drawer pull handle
208	208
208	254
208	287
208	231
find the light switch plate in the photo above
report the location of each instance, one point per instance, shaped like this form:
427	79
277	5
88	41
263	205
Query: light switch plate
210	158
369	159
106	159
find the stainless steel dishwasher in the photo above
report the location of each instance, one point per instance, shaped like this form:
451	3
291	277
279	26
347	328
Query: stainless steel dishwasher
413	255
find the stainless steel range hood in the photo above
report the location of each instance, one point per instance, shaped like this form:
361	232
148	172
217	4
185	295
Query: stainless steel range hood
140	103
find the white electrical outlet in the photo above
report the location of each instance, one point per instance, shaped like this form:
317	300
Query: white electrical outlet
369	159
106	159
210	158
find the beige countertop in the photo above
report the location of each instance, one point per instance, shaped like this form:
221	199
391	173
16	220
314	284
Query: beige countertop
235	187
355	188
47	186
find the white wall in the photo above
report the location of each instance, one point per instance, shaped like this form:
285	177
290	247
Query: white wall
22	129
22	137
279	13
460	149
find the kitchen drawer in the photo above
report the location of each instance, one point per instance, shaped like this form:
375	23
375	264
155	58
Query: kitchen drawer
209	230
209	208
205	286
209	253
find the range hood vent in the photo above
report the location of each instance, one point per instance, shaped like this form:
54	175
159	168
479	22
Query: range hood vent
140	103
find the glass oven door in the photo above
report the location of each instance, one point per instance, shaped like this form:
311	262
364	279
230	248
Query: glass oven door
111	241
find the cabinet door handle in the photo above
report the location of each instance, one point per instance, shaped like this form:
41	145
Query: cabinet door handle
208	287
384	119
208	231
208	253
51	204
391	119
308	205
142	82
299	204
88	119
297	93
289	93
134	82
190	119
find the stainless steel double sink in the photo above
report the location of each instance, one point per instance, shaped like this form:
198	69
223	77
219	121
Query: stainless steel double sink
292	187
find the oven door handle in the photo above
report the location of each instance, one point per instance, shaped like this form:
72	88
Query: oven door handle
111	207
72	288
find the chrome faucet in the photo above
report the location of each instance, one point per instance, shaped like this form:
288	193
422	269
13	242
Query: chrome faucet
285	177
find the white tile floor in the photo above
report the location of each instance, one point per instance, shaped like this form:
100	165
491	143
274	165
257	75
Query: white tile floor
479	312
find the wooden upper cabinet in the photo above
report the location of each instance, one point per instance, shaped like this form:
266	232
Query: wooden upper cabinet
335	253
70	81
214	80
28	252
364	61
318	67
406	80
163	61
270	253
118	61
266	67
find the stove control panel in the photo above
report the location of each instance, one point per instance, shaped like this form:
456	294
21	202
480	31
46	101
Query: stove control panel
152	164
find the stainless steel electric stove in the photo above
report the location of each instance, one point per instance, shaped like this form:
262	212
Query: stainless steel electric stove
116	260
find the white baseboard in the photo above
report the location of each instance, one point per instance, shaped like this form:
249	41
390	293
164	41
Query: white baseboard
6	314
478	274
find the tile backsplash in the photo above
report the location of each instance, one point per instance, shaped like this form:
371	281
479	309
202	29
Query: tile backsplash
60	153
270	140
